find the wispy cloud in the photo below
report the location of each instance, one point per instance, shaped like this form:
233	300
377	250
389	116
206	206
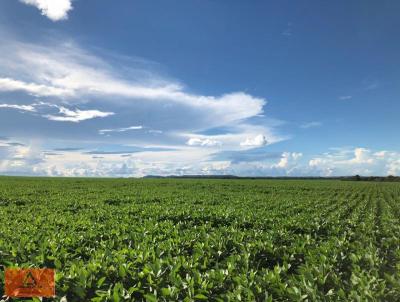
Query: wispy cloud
288	31
64	83
7	84
155	131
67	149
64	114
67	72
69	75
112	152
104	131
311	125
75	116
5	142
372	85
345	97
15	144
19	107
55	10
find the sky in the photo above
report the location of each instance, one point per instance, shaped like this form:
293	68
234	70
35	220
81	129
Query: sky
130	88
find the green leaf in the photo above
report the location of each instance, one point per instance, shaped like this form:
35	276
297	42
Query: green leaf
200	297
150	298
101	281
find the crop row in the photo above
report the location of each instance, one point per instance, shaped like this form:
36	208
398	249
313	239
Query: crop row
214	240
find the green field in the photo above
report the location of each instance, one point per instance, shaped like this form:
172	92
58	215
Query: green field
211	240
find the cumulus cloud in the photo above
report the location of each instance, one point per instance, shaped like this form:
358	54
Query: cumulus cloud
361	161
257	141
317	162
29	159
241	137
286	159
381	154
19	157
362	156
55	10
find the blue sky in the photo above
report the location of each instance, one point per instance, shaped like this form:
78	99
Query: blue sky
130	88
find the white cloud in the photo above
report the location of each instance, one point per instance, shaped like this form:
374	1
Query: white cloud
65	83
7	84
287	159
356	161
70	73
155	131
55	10
241	137
393	167
345	97
67	115
283	163
194	141
257	141
19	107
225	109
297	155
103	131
381	154
317	162
362	156
29	159
64	114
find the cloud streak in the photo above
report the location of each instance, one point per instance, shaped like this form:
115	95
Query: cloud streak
7	84
76	116
105	131
29	108
63	115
